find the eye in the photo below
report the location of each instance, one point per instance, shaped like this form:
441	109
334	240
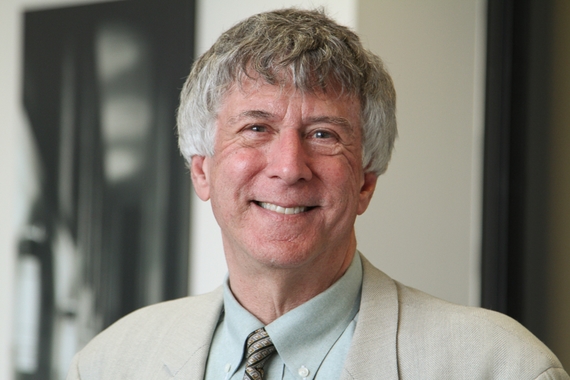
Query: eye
256	133
324	141
258	128
322	134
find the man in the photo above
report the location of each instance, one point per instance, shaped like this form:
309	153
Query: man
286	122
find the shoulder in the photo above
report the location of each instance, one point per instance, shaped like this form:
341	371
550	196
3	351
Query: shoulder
475	338
155	320
147	339
439	339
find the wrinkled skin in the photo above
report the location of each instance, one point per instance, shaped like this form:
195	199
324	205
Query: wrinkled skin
286	181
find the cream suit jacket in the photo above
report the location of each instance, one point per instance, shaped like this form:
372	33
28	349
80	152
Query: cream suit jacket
401	333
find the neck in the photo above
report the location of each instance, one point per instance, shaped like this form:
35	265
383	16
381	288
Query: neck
268	292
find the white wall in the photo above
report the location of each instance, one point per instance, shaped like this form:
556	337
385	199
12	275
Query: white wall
8	117
423	225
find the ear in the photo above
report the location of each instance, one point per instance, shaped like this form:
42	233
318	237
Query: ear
200	176
366	191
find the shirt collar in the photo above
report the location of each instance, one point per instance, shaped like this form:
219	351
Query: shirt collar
304	335
238	324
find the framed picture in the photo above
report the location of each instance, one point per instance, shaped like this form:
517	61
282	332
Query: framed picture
108	231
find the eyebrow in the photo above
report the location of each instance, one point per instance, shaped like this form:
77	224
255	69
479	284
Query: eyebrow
255	114
258	114
335	120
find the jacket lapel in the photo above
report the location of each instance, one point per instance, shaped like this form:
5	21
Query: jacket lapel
187	346
373	354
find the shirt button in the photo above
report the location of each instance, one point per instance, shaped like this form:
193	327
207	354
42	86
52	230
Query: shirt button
228	367
303	371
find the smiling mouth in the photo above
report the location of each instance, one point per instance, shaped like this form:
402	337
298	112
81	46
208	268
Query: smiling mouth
283	210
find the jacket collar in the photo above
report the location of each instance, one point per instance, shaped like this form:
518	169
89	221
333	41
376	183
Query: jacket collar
373	354
189	363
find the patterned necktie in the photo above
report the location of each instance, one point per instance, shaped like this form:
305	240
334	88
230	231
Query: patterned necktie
259	349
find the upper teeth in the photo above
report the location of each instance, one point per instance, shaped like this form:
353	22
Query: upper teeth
282	210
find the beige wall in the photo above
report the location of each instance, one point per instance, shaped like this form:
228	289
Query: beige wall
558	288
423	225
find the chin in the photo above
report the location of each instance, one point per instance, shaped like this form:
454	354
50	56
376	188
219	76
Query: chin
286	257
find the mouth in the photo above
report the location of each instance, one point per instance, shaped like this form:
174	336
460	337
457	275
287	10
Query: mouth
283	210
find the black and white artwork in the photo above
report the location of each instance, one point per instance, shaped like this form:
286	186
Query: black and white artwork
108	230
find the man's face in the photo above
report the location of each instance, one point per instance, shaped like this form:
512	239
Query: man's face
286	179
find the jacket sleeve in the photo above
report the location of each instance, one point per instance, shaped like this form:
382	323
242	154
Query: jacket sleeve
553	374
73	373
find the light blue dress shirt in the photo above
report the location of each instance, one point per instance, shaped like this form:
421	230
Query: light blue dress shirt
312	340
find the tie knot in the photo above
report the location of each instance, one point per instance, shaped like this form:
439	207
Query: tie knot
258	349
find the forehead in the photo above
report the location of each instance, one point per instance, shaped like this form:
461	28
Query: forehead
255	97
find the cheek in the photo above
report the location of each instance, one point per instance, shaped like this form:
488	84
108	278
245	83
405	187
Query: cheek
246	161
236	170
352	191
343	174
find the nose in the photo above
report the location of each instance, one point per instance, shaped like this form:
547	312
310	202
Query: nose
288	159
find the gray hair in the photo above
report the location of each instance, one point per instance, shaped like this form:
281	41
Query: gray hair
304	48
